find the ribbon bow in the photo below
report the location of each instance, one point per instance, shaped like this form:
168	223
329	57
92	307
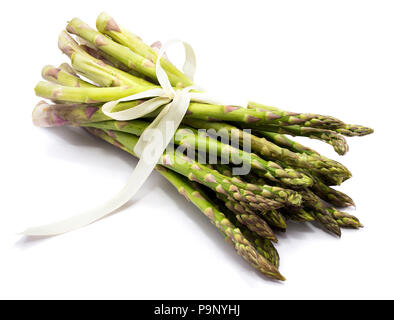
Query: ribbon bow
177	102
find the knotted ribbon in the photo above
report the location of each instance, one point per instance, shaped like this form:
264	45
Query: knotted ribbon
176	103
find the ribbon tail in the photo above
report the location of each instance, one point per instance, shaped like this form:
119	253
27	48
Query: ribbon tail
136	180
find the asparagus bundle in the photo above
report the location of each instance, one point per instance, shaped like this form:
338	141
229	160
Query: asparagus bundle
286	180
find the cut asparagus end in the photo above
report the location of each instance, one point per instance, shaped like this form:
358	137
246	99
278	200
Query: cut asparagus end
40	115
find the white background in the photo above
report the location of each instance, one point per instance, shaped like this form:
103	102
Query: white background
329	57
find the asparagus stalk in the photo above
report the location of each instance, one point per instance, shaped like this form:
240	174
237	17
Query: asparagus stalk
233	234
243	247
319	209
285	142
107	59
191	139
306	120
335	197
45	115
107	25
249	219
84	95
99	72
299	214
331	179
313	203
62	77
67	68
262	245
349	130
121	53
254	197
95	69
195	110
337	141
273	217
100	55
263	197
276	220
354	130
344	219
272	151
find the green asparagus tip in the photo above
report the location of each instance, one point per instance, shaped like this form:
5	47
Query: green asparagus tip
281	278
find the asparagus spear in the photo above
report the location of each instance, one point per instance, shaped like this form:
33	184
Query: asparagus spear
344	219
96	53
190	138
248	218
272	151
299	214
314	206
100	55
354	130
121	53
337	141
312	202
307	120
254	197
325	192
67	68
263	197
319	208
349	130
262	245
276	220
45	115
85	95
335	197
107	25
97	70
109	76
243	247
331	179
285	142
89	95
273	217
62	77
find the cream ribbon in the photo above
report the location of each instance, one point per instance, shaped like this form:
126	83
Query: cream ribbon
177	102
